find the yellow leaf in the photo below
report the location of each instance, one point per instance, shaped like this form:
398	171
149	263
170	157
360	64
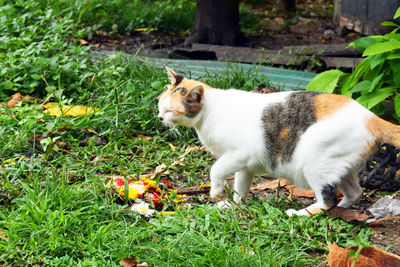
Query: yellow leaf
172	147
66	110
145	29
12	161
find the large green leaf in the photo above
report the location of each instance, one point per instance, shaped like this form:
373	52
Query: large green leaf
393	56
397	104
325	82
363	43
390	23
375	60
395	66
363	86
362	68
397	13
370	100
375	82
381	48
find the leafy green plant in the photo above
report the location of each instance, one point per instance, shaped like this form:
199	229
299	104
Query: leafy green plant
375	79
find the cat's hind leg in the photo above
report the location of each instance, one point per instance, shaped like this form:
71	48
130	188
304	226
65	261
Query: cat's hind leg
326	196
351	189
243	179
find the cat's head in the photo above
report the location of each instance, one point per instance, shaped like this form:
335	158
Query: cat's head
181	102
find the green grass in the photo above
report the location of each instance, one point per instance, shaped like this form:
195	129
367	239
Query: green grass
54	206
56	210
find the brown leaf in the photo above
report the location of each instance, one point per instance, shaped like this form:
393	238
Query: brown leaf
91	131
143	137
379	221
347	214
370	257
271	184
298	192
83	42
15	98
338	258
128	262
279	21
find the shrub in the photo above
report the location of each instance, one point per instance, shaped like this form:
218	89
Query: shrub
375	79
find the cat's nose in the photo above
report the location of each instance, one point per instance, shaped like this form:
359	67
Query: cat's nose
160	118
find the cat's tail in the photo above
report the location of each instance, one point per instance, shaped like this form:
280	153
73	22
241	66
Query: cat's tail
385	131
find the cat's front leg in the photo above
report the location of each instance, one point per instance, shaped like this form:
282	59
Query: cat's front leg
225	166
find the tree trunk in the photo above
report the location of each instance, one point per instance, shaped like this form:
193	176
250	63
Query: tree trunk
290	5
216	22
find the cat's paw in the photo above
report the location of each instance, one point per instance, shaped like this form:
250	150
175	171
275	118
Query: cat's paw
216	193
303	212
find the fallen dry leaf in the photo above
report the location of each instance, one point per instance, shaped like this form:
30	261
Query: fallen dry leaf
298	192
347	214
83	42
128	262
279	21
370	257
15	98
271	184
90	131
143	137
378	222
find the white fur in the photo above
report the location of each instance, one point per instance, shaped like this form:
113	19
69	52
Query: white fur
230	126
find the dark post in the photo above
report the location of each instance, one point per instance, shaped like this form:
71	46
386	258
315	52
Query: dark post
216	22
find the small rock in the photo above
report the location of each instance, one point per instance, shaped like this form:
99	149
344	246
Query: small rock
385	207
329	34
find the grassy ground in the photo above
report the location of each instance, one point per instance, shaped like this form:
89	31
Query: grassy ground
54	206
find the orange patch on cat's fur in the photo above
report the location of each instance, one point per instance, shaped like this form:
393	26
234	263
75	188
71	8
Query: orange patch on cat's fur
328	104
283	134
187	84
384	131
176	103
190	84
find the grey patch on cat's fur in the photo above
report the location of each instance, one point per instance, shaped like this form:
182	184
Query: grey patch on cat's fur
193	101
182	90
329	194
295	115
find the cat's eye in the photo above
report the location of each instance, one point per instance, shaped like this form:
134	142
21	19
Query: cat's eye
174	111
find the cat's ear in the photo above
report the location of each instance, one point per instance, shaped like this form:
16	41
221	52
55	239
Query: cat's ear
195	96
173	76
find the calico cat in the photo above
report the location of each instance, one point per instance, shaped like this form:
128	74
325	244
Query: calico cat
315	140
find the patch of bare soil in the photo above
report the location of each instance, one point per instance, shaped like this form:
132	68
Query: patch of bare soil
275	28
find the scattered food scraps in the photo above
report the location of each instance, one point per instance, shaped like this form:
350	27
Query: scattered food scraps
55	109
143	208
137	189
